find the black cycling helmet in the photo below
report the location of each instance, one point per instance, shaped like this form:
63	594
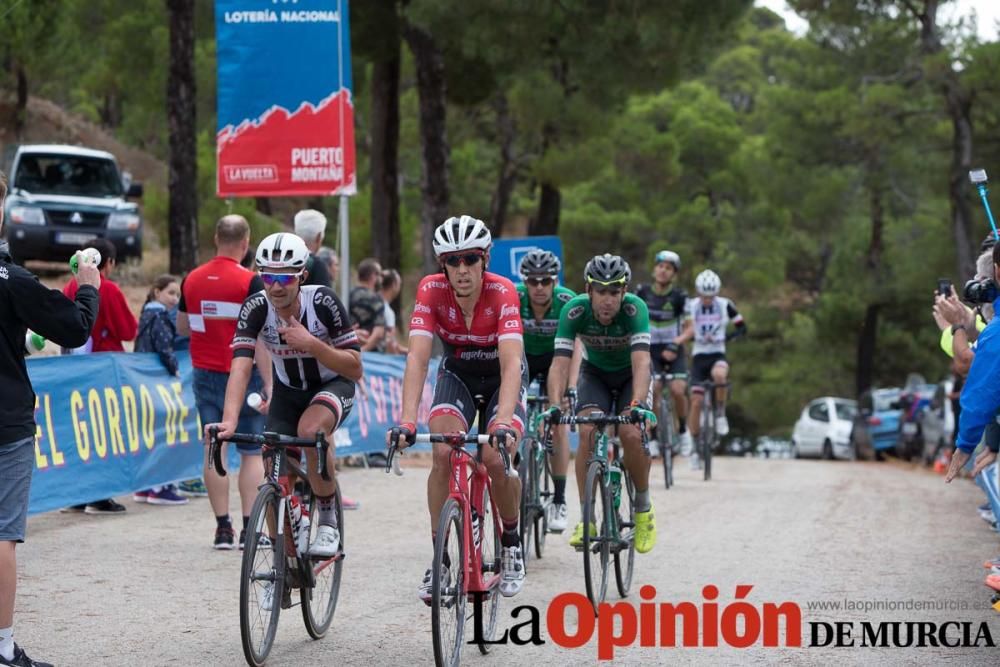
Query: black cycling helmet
607	270
539	263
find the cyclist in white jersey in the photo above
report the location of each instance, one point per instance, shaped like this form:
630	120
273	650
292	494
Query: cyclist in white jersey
711	315
316	362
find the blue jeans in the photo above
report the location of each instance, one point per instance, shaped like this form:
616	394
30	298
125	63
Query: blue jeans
210	397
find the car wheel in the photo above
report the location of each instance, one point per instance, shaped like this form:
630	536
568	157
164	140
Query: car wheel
827	450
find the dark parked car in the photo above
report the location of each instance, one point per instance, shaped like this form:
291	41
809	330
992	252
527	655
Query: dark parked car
62	197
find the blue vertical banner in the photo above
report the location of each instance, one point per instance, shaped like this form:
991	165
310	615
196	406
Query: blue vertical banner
285	107
506	254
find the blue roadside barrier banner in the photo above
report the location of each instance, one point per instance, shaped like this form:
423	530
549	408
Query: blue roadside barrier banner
109	424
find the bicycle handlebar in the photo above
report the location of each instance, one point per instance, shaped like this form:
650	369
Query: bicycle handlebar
456	440
270	439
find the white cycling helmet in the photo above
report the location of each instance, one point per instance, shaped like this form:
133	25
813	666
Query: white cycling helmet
282	251
463	233
708	283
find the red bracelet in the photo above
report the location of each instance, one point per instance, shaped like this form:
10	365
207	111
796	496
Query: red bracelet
410	426
496	426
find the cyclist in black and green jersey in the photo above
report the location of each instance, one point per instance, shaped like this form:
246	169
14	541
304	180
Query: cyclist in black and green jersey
613	326
541	302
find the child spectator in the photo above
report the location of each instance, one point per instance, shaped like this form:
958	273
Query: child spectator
156	334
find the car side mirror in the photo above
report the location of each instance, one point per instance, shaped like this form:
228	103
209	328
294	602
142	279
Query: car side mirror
134	190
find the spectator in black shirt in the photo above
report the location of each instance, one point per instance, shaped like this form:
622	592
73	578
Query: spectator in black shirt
26	303
366	305
310	226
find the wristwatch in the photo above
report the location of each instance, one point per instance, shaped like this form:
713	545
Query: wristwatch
956	327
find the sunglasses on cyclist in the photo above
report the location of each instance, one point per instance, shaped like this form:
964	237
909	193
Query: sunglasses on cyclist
613	291
283	279
469	259
539	282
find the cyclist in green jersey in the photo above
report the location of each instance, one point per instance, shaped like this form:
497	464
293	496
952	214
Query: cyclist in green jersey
613	326
542	299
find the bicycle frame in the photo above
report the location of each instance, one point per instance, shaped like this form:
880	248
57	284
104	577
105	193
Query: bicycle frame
467	480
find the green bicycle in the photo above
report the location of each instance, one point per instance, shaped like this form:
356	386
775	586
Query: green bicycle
536	481
608	503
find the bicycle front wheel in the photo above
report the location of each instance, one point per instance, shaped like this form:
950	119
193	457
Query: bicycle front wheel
596	547
545	484
262	577
487	605
448	586
529	494
320	602
625	551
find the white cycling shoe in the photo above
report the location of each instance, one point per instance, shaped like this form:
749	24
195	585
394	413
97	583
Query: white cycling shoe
511	571
687	444
327	542
557	516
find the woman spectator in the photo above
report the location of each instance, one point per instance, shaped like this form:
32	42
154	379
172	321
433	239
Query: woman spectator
156	334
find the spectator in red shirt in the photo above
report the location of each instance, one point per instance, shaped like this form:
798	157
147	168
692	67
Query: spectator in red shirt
115	322
211	298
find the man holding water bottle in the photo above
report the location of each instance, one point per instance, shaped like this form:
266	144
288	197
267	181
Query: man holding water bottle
26	303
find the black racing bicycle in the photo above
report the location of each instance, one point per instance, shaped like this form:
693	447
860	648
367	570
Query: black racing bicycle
276	555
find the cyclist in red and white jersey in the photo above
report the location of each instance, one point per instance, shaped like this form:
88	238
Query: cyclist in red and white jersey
476	314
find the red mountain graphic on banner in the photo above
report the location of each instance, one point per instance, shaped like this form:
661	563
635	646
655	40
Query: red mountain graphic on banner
306	152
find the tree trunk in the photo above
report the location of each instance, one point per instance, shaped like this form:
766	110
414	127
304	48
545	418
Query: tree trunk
960	110
506	133
21	109
386	236
182	213
958	101
429	63
867	339
263	205
547	220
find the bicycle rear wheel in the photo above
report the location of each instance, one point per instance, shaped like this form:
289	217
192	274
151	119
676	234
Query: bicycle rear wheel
529	482
487	605
708	440
545	492
625	556
320	602
666	429
596	547
263	567
448	586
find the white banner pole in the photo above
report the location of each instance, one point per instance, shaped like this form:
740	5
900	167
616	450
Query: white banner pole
345	252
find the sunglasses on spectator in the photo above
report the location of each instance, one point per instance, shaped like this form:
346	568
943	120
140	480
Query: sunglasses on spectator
283	279
538	282
469	259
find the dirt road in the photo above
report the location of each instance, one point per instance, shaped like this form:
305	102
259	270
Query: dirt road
147	589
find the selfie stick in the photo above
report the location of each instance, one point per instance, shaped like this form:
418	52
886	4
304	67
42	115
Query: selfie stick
978	178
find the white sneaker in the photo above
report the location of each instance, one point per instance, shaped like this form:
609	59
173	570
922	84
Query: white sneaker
557	516
695	462
687	444
511	571
326	543
426	590
267	597
654	448
721	425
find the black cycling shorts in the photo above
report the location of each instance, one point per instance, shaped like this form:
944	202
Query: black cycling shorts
454	394
287	405
595	387
538	367
701	367
678	367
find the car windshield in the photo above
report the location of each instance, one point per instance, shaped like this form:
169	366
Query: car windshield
884	400
73	175
845	410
